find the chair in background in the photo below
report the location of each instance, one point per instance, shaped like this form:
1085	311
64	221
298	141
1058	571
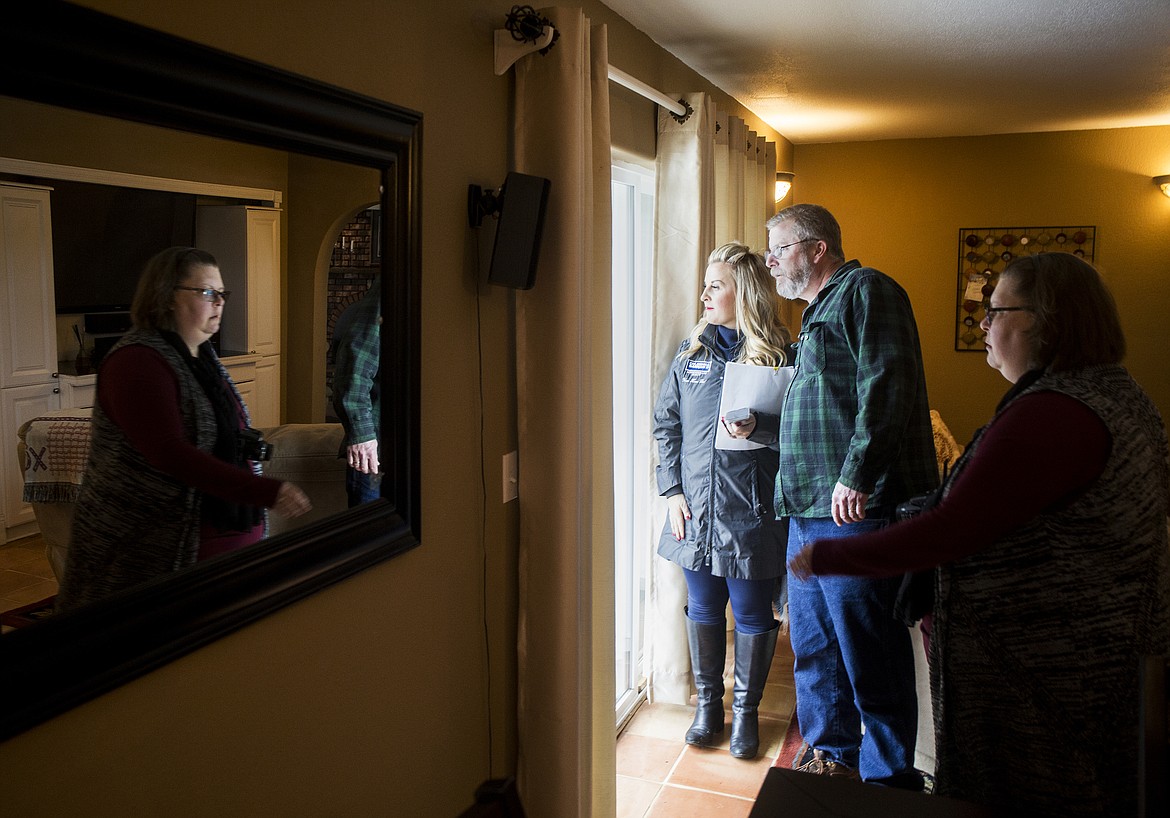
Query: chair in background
306	454
946	449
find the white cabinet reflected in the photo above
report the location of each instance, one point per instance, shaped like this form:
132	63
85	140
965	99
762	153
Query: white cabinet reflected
273	220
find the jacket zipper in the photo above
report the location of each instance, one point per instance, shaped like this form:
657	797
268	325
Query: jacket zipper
708	546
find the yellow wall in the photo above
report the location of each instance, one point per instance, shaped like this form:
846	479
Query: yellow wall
373	697
902	203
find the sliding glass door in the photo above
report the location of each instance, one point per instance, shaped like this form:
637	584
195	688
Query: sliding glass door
633	256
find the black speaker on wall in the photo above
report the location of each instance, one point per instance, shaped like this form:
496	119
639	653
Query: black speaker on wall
521	204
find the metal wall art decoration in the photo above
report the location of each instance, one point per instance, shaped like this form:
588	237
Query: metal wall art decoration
983	254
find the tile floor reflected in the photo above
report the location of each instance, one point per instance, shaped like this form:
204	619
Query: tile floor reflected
25	575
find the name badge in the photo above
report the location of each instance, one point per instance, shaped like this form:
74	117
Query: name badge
696	372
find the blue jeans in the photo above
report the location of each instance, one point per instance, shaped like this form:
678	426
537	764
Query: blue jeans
854	662
361	487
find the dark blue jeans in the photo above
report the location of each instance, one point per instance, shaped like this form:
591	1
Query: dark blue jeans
751	601
362	488
854	662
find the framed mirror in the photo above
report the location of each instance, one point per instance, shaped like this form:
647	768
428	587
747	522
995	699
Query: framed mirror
61	55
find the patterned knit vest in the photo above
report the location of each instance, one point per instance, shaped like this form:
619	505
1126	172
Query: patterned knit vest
133	522
1036	638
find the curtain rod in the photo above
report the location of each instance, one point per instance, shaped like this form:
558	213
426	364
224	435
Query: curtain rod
638	87
520	38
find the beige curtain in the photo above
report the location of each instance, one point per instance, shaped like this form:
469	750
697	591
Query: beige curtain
566	631
745	183
734	199
715	179
769	197
726	218
684	237
755	212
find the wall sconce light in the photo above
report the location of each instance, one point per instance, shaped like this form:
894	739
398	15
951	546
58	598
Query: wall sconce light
783	184
1164	183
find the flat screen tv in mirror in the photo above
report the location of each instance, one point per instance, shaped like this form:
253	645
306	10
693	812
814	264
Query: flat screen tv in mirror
63	55
103	236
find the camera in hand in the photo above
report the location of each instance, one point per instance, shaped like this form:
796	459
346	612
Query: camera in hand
916	505
738	415
253	446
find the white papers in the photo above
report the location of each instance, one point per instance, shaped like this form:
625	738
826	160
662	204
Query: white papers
759	388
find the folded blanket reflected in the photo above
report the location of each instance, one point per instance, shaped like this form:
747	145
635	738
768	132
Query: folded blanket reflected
56	447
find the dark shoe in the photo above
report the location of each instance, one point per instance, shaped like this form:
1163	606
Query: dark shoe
821	764
753	660
913	780
708	655
804	756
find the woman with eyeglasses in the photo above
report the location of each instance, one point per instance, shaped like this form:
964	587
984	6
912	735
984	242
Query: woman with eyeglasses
1053	575
172	476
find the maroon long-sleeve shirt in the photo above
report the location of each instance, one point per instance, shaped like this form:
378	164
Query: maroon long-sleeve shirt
1041	453
139	392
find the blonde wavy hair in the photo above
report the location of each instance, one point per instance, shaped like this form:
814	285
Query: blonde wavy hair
757	309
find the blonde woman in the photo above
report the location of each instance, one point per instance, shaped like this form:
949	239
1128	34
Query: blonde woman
720	527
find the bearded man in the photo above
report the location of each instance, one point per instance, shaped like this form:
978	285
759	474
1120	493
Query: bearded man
855	441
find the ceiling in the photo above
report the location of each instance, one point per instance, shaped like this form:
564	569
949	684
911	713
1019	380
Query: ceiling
857	70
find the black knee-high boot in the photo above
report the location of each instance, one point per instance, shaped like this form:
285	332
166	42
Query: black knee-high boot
708	654
753	659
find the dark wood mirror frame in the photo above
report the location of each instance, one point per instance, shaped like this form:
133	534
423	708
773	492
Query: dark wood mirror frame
67	56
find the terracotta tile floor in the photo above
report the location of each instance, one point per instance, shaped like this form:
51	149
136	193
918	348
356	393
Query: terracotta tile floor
25	575
659	776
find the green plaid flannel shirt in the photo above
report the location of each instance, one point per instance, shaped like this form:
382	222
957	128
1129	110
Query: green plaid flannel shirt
856	411
356	350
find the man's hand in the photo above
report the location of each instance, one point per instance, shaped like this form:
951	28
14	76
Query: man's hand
363	457
848	505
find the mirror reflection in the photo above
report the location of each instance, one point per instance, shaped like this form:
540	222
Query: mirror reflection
353	377
86	201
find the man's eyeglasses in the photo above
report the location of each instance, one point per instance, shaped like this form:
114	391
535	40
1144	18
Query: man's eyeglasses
209	294
994	311
777	252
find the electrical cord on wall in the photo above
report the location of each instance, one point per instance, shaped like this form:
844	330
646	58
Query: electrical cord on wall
487	648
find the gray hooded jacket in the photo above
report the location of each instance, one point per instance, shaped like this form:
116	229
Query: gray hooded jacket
732	528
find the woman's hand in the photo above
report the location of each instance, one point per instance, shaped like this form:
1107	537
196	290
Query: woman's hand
801	564
291	501
743	429
678	514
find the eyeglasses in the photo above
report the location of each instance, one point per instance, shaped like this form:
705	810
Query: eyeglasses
777	252
994	311
209	294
